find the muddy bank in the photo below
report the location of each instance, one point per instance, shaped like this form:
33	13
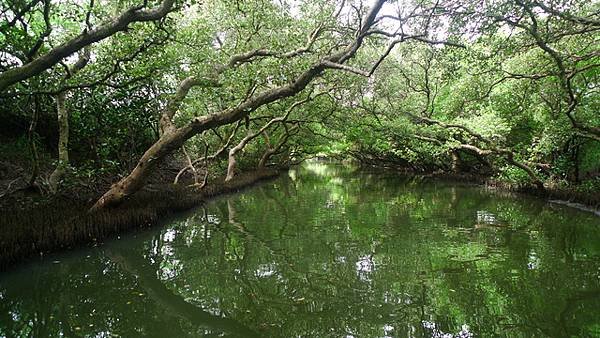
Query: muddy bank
64	222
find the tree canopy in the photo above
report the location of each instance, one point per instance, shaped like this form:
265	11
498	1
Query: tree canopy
503	88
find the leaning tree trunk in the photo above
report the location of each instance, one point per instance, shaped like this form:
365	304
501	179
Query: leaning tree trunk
262	131
206	159
172	137
231	161
166	144
530	172
265	157
270	151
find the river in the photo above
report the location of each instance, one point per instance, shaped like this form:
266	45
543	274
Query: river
327	251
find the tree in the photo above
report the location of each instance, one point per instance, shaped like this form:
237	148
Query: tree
63	123
501	103
172	137
35	65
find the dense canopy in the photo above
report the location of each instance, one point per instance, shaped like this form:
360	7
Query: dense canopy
97	89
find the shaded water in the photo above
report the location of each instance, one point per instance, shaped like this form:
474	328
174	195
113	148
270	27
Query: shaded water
327	252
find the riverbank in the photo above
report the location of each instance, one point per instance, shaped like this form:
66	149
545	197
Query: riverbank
591	201
64	222
570	197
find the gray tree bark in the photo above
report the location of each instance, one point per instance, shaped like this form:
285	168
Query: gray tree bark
172	138
86	38
63	124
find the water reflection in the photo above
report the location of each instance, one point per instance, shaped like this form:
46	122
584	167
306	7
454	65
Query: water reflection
327	252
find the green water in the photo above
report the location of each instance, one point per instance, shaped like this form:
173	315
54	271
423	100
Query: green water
327	251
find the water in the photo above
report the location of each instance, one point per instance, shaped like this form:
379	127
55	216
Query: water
327	251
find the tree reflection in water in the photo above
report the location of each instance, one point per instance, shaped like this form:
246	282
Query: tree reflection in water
327	252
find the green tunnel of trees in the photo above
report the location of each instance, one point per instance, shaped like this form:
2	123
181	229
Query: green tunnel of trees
121	90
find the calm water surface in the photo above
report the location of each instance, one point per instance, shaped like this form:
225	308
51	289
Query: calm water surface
327	251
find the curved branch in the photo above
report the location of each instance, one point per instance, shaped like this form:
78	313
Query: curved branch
251	136
55	55
172	140
207	158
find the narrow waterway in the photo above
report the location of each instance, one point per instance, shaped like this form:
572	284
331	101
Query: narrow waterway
327	251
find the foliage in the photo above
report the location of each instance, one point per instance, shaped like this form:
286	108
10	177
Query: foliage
500	86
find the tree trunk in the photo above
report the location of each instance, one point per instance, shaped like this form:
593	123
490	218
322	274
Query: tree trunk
63	123
536	180
206	157
270	151
265	157
575	160
147	163
190	164
172	139
63	143
35	163
455	161
231	162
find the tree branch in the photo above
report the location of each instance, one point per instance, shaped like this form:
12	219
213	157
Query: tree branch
86	38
